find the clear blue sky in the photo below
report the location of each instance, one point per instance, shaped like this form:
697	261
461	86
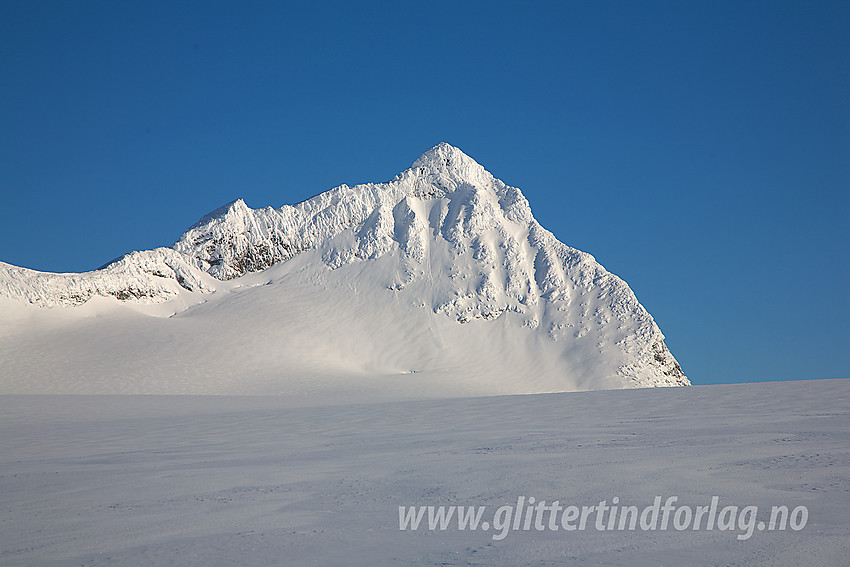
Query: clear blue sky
700	150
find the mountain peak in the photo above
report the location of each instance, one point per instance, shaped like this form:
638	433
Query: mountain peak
237	207
443	154
445	168
445	157
445	238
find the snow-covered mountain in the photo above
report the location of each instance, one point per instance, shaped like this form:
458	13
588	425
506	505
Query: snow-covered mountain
441	272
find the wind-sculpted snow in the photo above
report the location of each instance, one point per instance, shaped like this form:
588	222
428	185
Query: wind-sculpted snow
444	237
236	239
151	276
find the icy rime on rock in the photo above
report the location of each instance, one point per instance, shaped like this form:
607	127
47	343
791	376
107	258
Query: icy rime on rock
493	257
152	275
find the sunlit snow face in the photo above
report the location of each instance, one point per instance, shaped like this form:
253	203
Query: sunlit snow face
441	272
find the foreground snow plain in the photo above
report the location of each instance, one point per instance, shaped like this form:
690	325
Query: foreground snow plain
229	480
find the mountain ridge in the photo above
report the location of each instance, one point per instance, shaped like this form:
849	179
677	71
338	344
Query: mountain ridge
451	237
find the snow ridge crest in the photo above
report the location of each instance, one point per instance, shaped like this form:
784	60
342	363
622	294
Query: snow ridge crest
235	239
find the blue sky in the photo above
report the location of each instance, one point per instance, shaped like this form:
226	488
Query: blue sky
700	150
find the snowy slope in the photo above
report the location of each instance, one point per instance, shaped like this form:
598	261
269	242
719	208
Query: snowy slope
437	282
252	481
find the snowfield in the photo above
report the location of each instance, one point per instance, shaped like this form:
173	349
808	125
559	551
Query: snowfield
219	480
